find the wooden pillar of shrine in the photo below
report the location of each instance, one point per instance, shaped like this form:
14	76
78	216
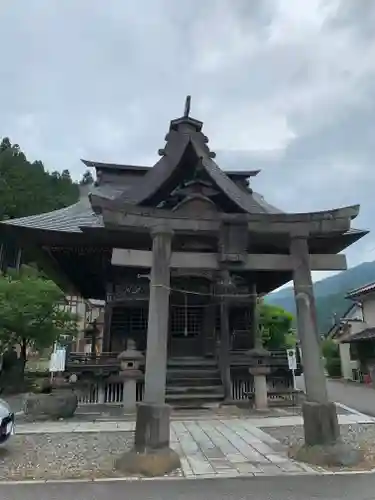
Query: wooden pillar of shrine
158	317
224	289
209	326
106	342
253	315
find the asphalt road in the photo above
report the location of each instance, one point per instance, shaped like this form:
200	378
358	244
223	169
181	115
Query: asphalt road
356	396
353	487
359	397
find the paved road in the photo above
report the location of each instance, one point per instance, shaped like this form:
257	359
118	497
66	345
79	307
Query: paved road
356	396
359	397
358	487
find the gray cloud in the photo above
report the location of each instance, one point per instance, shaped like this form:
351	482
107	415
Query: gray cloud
286	89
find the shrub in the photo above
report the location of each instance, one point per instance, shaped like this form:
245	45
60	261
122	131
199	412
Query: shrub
333	366
330	349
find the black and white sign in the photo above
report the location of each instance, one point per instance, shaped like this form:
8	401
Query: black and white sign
292	359
292	364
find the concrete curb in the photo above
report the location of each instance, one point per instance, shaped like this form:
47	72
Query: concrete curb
182	478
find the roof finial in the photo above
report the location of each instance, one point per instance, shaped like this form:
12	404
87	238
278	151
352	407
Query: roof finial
187	106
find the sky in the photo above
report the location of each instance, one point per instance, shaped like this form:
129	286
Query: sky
284	86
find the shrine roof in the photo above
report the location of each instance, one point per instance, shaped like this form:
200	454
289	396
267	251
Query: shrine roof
185	158
68	220
142	170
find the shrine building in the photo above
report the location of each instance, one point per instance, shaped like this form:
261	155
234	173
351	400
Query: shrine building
179	252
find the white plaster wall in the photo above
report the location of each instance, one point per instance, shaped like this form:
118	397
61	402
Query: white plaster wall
347	364
369	311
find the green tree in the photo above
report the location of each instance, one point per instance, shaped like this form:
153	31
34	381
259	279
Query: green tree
331	354
31	312
27	188
87	179
276	326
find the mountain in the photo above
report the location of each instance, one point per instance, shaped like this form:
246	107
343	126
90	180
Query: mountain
329	294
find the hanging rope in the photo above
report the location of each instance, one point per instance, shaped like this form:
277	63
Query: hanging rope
209	294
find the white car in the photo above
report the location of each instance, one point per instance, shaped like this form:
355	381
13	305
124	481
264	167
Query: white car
6	422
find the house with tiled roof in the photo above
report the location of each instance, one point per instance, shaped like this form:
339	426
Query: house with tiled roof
355	333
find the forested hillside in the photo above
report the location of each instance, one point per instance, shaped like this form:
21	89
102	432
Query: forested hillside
330	293
27	188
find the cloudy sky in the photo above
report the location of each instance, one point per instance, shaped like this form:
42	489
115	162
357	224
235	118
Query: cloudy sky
283	85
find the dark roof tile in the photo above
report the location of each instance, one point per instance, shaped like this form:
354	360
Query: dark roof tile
366	334
69	219
362	290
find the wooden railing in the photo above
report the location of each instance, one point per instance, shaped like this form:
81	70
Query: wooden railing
280	389
103	358
278	360
106	393
279	381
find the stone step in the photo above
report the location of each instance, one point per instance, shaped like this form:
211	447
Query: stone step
193	381
197	390
192	373
191	362
193	398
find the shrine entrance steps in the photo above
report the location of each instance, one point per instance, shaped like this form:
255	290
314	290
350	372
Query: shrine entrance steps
193	382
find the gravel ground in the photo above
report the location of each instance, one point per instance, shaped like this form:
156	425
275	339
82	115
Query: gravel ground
360	436
354	434
60	456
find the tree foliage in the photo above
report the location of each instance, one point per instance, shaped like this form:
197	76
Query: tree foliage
329	294
331	353
86	179
27	188
31	314
276	327
330	349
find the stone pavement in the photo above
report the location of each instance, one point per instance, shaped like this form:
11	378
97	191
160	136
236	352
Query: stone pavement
208	448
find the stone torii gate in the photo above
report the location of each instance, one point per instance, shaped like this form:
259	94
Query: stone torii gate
158	218
320	417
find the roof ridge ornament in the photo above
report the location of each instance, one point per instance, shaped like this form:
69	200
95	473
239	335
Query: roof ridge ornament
187	106
186	119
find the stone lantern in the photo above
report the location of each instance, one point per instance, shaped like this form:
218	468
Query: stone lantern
259	359
130	361
259	369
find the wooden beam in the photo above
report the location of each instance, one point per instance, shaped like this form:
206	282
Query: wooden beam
254	262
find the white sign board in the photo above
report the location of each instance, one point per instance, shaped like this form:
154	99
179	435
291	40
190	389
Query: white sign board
292	359
57	361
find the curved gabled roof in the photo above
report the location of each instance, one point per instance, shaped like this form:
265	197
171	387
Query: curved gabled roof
185	155
187	149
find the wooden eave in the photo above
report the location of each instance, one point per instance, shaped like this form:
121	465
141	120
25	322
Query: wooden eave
142	169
